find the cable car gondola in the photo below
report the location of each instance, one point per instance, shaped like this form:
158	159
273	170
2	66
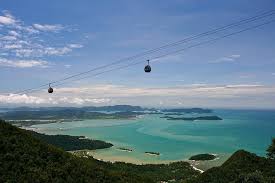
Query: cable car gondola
50	90
147	68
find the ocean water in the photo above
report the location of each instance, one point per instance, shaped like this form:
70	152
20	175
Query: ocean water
251	130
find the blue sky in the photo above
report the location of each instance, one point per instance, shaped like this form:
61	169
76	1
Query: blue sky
42	41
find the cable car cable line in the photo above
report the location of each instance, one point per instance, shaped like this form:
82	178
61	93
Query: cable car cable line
242	22
245	21
155	59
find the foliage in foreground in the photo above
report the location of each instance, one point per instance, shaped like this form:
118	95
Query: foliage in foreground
271	150
241	167
26	159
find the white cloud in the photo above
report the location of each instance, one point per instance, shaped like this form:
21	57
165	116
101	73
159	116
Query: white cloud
41	51
14	33
185	90
35	100
235	56
22	63
247	75
47	27
17	39
75	45
248	95
227	59
67	66
13	46
7	19
56	51
8	38
27	29
25	53
22	99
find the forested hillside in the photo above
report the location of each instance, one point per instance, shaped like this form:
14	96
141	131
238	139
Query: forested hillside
241	167
27	159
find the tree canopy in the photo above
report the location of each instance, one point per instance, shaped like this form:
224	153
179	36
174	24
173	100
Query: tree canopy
271	150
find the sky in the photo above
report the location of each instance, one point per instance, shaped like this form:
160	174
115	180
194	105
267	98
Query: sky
44	41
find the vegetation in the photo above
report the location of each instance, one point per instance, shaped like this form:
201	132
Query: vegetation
65	114
271	150
202	157
125	149
189	110
121	108
173	172
24	158
193	118
70	143
152	153
241	167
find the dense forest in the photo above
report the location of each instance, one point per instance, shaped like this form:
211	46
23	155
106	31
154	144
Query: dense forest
121	108
70	143
189	110
70	114
193	118
25	158
203	157
104	112
241	167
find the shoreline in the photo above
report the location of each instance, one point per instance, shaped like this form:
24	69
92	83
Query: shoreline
112	159
134	161
96	154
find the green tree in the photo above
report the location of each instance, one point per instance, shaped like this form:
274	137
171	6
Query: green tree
271	150
254	177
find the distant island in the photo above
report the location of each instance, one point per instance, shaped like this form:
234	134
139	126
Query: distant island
202	157
27	116
114	108
174	113
189	110
124	149
152	153
192	118
66	114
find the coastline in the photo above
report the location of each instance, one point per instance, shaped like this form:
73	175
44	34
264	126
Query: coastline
136	161
100	155
123	155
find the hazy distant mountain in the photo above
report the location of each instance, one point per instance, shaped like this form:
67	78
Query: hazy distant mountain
121	108
188	110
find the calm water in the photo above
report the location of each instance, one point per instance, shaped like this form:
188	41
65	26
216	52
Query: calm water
175	140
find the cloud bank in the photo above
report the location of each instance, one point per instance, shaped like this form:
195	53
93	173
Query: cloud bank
203	95
23	46
23	63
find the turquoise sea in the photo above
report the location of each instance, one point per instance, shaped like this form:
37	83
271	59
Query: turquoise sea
251	130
